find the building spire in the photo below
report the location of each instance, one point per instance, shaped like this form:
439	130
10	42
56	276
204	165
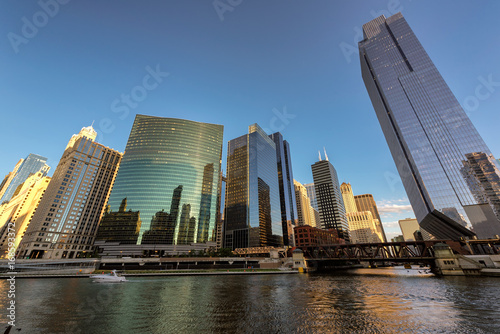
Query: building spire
326	156
319	153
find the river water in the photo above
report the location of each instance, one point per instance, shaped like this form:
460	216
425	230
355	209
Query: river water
358	301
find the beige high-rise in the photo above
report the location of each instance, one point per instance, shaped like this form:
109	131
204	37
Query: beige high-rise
366	202
305	211
18	212
362	224
65	224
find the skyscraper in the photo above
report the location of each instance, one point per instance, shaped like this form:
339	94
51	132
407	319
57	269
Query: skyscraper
31	165
483	178
19	211
8	179
304	209
66	221
366	202
330	202
427	131
287	190
311	193
363	227
252	215
169	178
408	227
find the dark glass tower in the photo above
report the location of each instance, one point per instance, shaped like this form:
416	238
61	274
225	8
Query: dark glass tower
252	215
170	175
426	129
329	197
288	203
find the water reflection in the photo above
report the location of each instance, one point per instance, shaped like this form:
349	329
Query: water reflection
343	303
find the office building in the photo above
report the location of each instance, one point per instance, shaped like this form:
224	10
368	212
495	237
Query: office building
65	224
366	202
31	165
8	179
311	193
426	129
252	216
19	211
483	178
305	211
166	190
329	197
363	227
308	236
408	227
289	217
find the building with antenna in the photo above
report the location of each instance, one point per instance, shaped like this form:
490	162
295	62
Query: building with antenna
330	203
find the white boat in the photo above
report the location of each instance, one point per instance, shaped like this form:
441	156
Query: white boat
108	278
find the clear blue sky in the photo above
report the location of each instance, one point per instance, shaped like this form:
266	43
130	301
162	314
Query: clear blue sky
263	56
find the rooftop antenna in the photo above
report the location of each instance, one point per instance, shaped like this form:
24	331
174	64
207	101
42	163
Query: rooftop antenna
92	125
326	156
319	153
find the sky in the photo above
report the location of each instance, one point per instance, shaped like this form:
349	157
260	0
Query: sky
290	66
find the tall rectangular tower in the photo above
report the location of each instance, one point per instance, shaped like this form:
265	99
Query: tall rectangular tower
330	202
252	215
65	223
289	217
366	202
427	131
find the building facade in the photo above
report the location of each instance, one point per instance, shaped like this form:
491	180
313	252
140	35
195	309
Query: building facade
307	236
169	179
8	179
329	197
408	227
31	165
427	131
252	216
305	211
366	202
19	211
481	171
363	227
288	203
311	193
65	224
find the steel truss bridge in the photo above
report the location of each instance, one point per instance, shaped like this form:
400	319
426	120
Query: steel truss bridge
408	251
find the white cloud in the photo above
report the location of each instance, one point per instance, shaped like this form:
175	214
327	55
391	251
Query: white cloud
390	224
394	208
391	235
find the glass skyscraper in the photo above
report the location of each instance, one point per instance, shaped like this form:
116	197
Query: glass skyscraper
427	131
31	165
289	218
169	180
252	215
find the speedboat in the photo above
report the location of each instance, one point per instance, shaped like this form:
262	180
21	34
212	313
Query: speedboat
108	278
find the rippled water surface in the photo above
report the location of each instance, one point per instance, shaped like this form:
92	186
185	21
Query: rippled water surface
302	303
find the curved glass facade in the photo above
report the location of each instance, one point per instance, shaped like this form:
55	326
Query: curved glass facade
169	175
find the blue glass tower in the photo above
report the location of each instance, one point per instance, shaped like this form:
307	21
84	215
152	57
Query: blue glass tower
31	165
428	133
252	207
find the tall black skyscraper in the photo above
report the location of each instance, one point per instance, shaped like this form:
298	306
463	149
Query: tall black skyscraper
289	217
426	129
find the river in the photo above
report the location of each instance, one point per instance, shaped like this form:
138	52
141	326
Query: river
347	302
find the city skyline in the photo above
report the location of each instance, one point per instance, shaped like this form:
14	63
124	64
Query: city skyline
84	103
